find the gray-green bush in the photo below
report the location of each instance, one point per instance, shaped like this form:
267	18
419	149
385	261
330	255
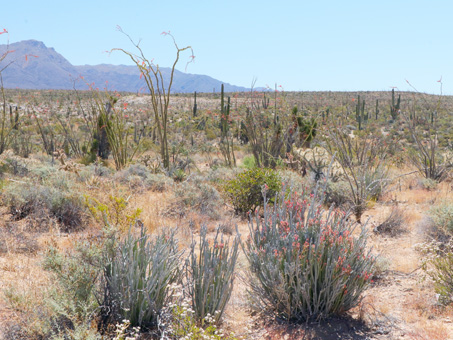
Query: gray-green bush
137	278
24	199
210	274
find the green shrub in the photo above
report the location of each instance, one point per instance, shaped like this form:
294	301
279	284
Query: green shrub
248	162
137	278
245	190
210	275
305	262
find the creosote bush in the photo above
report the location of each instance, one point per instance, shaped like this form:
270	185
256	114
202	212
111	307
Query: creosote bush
245	190
306	263
25	199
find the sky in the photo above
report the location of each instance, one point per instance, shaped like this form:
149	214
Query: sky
301	45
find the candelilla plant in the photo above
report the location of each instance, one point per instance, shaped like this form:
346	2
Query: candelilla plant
211	275
306	263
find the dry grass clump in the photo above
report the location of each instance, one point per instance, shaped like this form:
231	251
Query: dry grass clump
394	224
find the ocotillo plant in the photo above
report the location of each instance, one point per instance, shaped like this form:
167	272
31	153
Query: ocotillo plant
158	90
395	107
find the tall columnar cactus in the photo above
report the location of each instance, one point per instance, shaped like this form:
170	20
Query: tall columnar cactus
226	145
395	107
265	102
224	113
360	112
307	128
195	104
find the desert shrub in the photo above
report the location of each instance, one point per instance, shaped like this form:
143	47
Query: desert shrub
158	182
77	273
99	170
220	174
393	224
427	183
245	190
137	278
42	172
337	193
306	263
113	213
198	195
442	217
138	175
294	180
132	170
24	199
15	166
210	275
438	265
249	162
442	274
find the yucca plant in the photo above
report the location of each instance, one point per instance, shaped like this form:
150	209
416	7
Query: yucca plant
306	263
210	274
138	276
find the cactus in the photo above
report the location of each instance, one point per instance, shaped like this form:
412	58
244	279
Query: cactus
194	110
395	108
360	112
265	102
306	127
226	145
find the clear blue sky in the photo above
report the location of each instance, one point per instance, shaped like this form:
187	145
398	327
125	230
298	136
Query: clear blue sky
301	45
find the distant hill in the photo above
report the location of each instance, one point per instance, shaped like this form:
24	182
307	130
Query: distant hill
35	66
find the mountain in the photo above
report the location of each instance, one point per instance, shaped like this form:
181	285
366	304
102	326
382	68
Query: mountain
32	65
